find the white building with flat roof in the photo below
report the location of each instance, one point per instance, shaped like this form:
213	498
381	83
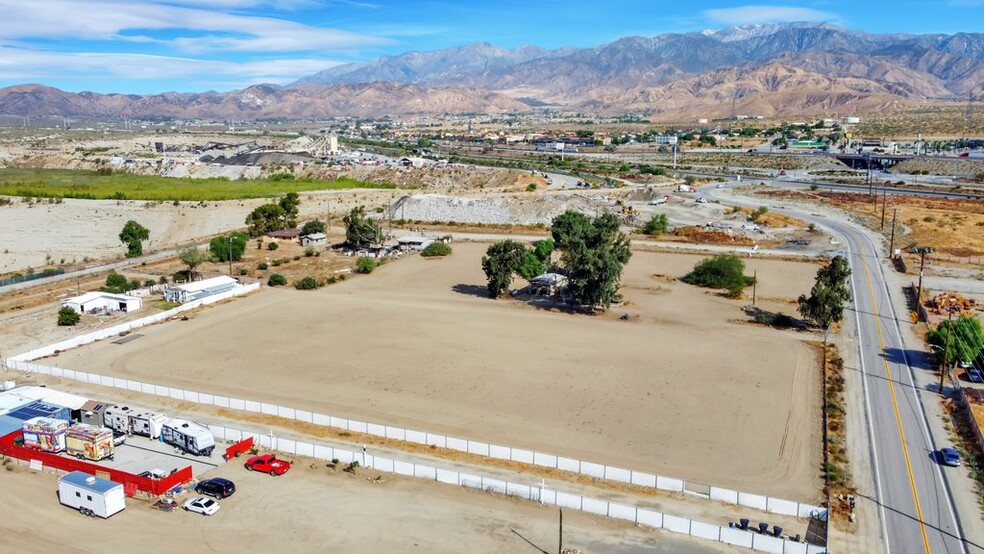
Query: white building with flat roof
103	302
187	292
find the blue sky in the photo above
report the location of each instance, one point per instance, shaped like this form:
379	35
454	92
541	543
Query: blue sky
148	46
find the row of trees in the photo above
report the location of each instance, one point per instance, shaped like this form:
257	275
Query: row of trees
593	254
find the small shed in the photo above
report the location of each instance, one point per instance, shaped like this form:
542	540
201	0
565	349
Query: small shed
314	239
91	495
199	289
92	412
103	302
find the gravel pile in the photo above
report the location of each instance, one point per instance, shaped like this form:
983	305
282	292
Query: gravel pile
527	210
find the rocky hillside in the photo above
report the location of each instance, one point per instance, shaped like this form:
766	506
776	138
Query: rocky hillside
771	70
260	101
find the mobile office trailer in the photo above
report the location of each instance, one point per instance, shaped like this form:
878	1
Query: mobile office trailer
190	437
45	434
125	419
90	495
89	442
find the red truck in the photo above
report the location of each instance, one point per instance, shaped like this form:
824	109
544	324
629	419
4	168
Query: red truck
267	463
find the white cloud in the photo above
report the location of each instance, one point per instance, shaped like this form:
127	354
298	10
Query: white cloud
742	15
203	29
27	65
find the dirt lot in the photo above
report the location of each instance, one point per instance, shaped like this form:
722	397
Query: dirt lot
952	226
313	509
679	389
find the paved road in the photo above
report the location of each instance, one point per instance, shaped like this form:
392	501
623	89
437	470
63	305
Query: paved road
912	489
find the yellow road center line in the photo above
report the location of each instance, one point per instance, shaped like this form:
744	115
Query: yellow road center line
895	404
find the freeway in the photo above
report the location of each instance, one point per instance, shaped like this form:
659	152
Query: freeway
912	492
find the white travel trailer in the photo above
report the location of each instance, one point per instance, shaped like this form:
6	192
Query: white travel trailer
188	436
90	495
126	419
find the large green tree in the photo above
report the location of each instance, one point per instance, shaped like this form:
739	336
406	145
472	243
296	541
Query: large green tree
222	248
593	253
361	231
825	304
537	259
957	340
265	218
133	235
312	227
192	257
290	203
500	262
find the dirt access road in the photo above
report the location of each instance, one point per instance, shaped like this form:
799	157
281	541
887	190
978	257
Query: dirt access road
680	389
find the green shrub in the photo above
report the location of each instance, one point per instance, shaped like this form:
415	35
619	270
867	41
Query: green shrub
68	317
272	246
657	225
149	283
307	283
243	271
365	264
276	280
759	212
724	271
436	249
309	251
531	187
262	265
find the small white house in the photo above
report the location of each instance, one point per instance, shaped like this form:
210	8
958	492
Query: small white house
103	302
199	289
314	239
91	495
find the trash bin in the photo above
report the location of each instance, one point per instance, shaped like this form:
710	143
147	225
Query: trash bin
776	531
744	524
764	528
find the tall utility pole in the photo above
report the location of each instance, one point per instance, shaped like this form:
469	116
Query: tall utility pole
560	534
922	251
946	351
230	255
884	201
754	285
891	243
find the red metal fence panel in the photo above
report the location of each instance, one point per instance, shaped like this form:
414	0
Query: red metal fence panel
129	481
240	447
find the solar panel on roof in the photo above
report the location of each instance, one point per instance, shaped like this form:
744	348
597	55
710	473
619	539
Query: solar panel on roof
38	409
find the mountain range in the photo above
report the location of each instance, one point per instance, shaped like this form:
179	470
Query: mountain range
770	70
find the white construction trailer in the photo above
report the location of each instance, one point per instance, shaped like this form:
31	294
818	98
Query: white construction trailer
91	495
188	436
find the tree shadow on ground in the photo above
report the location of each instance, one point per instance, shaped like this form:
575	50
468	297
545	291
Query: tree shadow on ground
917	359
471	290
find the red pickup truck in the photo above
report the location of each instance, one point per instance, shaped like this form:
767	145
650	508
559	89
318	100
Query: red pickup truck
267	463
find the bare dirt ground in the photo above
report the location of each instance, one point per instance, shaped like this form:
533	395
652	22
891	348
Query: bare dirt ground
679	389
315	509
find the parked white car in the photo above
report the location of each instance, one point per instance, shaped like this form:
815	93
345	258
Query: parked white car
201	505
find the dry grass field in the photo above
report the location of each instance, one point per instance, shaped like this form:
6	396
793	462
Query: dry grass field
679	389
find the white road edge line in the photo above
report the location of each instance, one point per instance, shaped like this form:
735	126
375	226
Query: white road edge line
867	401
944	484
